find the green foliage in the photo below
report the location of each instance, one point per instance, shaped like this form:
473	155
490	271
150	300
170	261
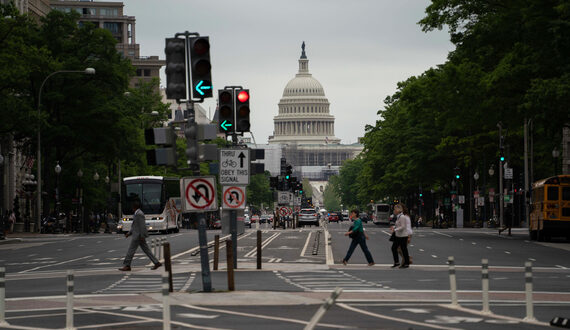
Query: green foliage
330	197
258	191
307	188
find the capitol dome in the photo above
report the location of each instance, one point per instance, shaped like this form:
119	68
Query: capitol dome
304	116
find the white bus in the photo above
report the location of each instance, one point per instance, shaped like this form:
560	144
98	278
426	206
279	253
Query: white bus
381	213
160	202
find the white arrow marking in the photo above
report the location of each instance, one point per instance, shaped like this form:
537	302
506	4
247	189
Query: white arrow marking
414	310
197	316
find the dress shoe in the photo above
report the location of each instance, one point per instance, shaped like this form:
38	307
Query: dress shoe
405	266
371	264
125	269
344	262
395	265
156	266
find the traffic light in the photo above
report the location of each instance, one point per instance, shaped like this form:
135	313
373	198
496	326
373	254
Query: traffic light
288	171
242	110
226	111
501	156
175	51
283	165
200	67
457	173
191	134
164	137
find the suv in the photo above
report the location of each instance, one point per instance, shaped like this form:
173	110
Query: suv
308	217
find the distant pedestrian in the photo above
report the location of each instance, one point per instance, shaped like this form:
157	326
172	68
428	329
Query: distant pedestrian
402	229
359	237
139	233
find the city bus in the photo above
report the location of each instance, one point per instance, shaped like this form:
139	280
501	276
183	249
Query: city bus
381	213
550	212
160	202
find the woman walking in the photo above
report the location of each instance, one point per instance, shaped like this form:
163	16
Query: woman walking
401	229
359	237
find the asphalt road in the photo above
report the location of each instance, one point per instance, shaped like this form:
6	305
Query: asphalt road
294	263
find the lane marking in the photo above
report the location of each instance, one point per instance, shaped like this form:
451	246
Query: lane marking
507	252
560	266
442	234
275	318
433	256
488	247
306	244
253	252
395	319
60	263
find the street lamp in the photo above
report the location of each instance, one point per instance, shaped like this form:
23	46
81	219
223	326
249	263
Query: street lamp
57	171
555	155
89	71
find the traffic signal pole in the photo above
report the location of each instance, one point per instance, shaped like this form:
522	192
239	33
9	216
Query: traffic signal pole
501	169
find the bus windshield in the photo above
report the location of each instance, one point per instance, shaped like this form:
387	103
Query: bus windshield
150	195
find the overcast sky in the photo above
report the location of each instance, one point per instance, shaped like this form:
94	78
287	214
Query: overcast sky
358	50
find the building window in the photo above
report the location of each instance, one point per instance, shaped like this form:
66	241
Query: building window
147	72
89	11
139	72
108	12
112	27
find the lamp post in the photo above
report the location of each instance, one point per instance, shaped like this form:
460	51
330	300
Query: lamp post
57	171
476	200
89	71
555	155
491	173
80	195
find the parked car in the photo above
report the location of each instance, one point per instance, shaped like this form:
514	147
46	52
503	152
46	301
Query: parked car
308	217
333	217
264	218
254	218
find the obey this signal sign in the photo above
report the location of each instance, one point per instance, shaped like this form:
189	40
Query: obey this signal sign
198	194
234	197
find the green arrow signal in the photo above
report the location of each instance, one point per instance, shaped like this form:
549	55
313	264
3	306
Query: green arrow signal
225	125
199	87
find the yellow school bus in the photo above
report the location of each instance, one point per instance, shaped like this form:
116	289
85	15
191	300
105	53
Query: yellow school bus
550	212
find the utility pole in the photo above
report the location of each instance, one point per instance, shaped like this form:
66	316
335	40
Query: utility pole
501	169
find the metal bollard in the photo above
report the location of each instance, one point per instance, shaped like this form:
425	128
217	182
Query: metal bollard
485	285
230	265
3	296
452	281
324	307
69	311
259	249
168	265
165	302
216	251
528	291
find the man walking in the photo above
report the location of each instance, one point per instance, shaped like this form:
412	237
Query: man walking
139	233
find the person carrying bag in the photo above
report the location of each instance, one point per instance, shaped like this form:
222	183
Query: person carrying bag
358	235
401	234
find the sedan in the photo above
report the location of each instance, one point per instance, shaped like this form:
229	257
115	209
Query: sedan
333	217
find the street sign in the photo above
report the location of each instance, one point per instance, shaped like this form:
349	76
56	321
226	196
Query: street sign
461	199
198	194
234	166
285	211
283	197
509	173
481	201
234	197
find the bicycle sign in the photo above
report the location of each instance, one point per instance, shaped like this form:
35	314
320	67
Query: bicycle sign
234	167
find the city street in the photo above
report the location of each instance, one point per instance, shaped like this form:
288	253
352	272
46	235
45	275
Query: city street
295	274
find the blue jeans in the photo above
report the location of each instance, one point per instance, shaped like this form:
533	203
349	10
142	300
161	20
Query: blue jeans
360	240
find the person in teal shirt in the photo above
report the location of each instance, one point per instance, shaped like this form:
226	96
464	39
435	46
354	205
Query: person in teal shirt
359	237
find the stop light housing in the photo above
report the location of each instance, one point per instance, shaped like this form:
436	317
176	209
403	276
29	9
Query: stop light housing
288	171
175	51
200	67
226	111
457	173
242	110
192	151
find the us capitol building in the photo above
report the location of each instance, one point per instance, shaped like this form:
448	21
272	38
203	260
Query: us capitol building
304	130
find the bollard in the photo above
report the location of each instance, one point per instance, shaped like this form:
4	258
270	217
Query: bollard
528	291
324	307
259	249
216	251
3	296
165	302
69	311
230	264
168	265
452	281
485	285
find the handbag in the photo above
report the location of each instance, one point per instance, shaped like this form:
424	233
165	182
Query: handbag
392	237
353	234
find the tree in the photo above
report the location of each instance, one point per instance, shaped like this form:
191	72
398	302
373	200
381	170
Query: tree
258	191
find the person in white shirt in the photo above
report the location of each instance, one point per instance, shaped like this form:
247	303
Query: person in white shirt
403	230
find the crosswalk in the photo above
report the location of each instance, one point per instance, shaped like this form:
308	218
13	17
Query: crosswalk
328	280
140	283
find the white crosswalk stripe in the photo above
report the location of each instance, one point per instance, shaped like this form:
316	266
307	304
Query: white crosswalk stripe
138	283
328	280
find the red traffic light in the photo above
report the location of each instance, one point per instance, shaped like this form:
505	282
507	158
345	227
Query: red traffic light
243	96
